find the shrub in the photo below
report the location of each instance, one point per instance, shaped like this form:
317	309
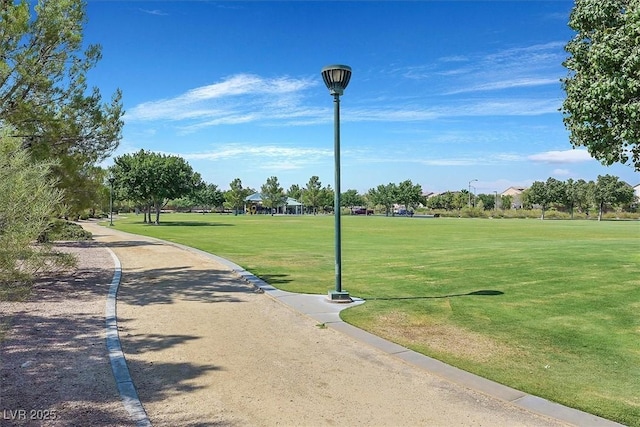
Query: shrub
28	199
61	230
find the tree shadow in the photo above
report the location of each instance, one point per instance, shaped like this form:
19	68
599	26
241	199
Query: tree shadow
484	292
274	279
166	285
191	224
58	363
61	363
84	282
133	243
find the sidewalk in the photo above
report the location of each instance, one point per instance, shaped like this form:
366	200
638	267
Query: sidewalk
204	348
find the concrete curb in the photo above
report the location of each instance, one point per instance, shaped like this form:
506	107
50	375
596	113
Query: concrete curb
125	385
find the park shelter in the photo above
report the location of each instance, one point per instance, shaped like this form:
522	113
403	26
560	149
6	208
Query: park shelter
291	206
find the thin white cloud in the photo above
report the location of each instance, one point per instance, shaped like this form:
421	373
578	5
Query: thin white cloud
284	154
508	84
561	172
566	156
234	94
521	67
156	12
281	101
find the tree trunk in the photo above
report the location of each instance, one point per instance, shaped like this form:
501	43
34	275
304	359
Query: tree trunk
158	207
600	211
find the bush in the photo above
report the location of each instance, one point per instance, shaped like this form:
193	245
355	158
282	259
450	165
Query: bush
556	215
61	230
28	199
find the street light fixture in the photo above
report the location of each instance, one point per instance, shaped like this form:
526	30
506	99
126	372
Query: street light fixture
111	180
337	77
473	180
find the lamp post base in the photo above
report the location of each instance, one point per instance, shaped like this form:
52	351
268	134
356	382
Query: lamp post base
340	297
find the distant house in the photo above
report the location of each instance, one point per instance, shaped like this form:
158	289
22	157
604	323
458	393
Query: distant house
636	189
516	194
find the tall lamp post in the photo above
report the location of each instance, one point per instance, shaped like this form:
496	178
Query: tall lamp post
111	180
473	180
337	77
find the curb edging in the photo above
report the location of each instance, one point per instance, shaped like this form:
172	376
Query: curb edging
126	388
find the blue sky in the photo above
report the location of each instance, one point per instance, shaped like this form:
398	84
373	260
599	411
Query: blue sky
442	92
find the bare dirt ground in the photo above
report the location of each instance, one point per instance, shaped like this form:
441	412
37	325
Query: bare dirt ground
54	368
204	349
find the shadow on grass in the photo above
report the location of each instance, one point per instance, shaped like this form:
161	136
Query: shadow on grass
484	292
191	224
274	279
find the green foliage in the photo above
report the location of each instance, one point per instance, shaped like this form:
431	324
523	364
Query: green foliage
488	201
295	192
207	197
384	195
45	98
351	198
61	230
609	190
544	194
408	194
272	194
28	200
312	196
236	195
601	109
152	179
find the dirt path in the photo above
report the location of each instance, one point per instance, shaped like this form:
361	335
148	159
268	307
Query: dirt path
204	349
54	367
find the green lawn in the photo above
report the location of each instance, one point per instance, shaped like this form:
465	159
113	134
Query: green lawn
548	307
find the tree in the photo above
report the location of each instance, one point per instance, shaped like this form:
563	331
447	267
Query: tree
544	194
408	194
488	201
295	192
312	193
584	195
44	95
506	201
601	109
236	195
131	182
571	196
537	195
384	195
326	198
207	196
460	199
28	201
152	179
272	194
351	198
556	190
609	190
